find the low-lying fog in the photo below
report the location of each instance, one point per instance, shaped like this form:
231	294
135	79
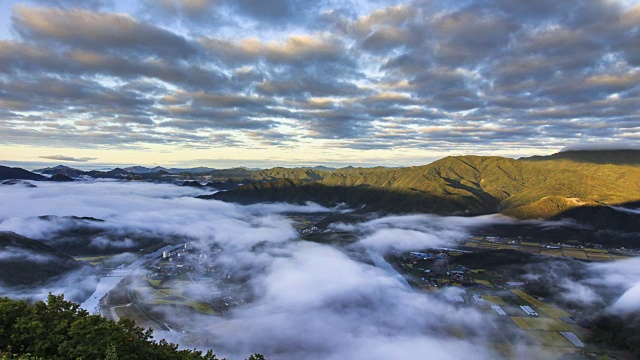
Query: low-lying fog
310	301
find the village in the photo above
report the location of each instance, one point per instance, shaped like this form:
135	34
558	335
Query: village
188	279
570	248
518	316
179	270
180	282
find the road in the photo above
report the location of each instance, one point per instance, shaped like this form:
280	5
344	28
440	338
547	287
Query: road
107	283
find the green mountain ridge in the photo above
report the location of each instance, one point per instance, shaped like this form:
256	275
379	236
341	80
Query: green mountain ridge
525	188
470	185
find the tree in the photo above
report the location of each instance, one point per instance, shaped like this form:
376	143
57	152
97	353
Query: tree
111	353
59	329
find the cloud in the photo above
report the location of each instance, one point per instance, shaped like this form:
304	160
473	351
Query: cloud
618	275
278	9
66	158
140	209
216	12
302	300
98	31
295	49
603	145
628	303
184	13
624	209
76	285
89	4
611	286
353	310
416	232
14	254
402	75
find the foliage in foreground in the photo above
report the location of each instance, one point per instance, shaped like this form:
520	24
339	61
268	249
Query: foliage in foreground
619	332
60	329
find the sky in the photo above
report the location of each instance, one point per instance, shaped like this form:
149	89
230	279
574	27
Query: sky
226	83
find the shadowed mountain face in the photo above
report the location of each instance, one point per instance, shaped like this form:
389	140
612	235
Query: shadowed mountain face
24	261
606	217
87	236
373	198
611	157
60	178
610	226
9	173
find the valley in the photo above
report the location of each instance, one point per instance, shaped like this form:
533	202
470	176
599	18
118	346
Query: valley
177	287
535	266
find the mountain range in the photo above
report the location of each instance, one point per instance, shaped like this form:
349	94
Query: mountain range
467	185
525	188
175	171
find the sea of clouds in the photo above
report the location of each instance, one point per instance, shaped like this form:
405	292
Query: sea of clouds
310	300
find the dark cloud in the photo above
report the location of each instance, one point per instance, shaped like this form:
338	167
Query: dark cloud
294	51
384	39
51	93
275	11
307	86
22	59
89	4
67	158
496	71
278	13
601	145
470	36
78	28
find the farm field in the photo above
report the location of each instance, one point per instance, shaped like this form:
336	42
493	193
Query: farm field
519	317
560	250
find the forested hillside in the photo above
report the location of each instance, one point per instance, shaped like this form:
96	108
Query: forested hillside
454	185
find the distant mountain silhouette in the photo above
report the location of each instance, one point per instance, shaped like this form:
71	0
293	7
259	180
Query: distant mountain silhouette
174	171
192	184
9	173
223	185
613	157
323	168
61	169
60	178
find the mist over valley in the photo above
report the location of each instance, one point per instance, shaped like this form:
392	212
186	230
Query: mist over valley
298	280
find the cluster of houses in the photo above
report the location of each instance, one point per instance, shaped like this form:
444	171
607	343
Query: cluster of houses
181	260
311	230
